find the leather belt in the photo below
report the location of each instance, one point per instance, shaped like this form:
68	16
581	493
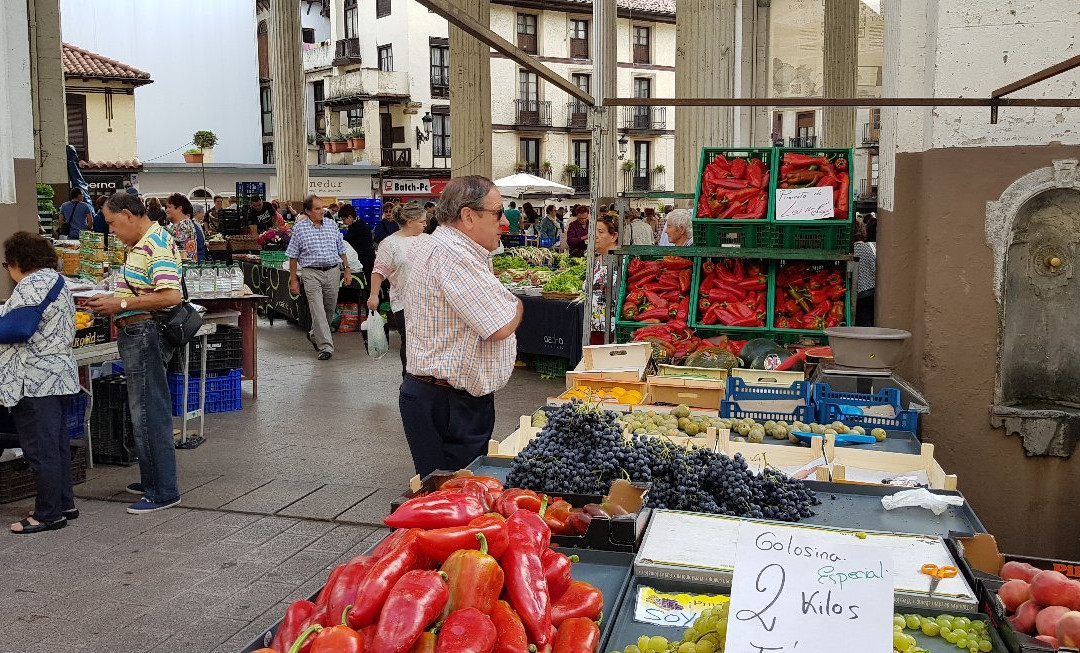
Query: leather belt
430	380
132	319
321	269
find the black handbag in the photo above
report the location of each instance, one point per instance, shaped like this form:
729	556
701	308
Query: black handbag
180	323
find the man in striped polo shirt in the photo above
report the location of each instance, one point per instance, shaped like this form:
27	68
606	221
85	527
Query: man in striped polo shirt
149	282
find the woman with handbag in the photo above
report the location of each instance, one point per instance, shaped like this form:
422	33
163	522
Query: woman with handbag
38	374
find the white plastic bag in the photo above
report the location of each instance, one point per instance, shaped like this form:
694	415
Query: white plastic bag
921	498
376	335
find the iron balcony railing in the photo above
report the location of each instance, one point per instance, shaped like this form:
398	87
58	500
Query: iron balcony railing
644	118
804	141
533	112
577	115
397	157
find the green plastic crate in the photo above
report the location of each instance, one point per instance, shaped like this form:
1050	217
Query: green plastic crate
828	239
777	296
733	234
768	156
272	259
695	296
622	289
551	367
830	153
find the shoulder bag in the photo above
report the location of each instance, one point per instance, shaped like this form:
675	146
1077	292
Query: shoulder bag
180	323
19	324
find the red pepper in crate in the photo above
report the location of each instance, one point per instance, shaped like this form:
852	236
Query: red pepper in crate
580	600
802	170
427	643
336	639
516	499
440	509
343	593
440	543
557	572
510	634
578	635
467	631
475	579
493	485
376	586
324	594
526	586
415	602
292	625
556	515
388	543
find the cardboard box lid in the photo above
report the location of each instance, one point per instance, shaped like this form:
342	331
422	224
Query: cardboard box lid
687	382
632	356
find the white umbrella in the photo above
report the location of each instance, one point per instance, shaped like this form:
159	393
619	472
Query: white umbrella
521	183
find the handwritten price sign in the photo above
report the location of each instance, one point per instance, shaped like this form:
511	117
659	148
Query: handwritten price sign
812	593
804	203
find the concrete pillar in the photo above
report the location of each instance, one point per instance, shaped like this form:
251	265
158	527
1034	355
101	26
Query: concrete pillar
373	133
287	94
47	84
705	60
605	75
841	70
757	121
470	95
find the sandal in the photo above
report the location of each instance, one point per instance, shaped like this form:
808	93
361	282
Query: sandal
27	527
70	514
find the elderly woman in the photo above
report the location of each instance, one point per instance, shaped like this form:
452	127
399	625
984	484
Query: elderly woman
189	236
38	373
679	228
607	239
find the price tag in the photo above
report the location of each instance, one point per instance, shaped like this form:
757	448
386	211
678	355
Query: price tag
808	593
676	610
804	203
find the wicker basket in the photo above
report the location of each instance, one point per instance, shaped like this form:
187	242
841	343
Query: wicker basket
217	245
245	243
564	296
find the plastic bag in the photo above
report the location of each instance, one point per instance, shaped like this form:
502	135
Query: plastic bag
377	344
922	498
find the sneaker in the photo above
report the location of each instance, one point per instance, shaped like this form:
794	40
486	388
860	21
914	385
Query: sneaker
136	488
325	356
145	505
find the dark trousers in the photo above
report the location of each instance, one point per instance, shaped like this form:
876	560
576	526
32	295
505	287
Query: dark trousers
399	324
864	309
446	428
43	437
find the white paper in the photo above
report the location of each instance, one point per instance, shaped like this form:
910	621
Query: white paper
798	592
814	203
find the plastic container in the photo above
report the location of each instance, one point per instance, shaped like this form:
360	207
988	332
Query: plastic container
696	314
272	259
868	347
222	352
110	422
779	296
830	406
832	154
551	367
223	392
17	480
823	240
792	403
76	415
768	156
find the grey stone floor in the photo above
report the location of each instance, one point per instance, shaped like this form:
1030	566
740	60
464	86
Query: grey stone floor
280	493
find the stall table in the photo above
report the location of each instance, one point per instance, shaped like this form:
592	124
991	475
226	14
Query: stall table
551	327
85	357
246	306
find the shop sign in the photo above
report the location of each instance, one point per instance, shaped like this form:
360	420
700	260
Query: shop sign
425	187
99	184
353	186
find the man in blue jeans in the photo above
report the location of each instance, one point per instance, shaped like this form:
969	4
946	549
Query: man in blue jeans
149	282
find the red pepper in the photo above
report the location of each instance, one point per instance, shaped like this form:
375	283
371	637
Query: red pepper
427	643
741	310
493	485
526	587
343	593
684	310
635	297
292	625
375	587
323	600
803	160
414	603
836	292
467	631
707	267
841	163
807	177
754	175
336	639
660	314
656	300
732	184
581	600
738	168
676	263
578	522
557	572
510	633
730	287
710	315
440	543
474	578
685	277
440	509
844	185
837	310
757	283
826	180
557	514
629	311
704	303
388	543
578	635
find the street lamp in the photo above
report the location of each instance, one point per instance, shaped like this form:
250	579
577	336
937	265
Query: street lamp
622	146
424	136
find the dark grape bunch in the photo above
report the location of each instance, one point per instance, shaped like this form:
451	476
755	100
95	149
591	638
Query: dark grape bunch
583	450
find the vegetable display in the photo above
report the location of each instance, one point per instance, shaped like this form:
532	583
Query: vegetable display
707	634
676	343
810	296
733	292
677	423
658	291
735	189
616	395
964	633
798	170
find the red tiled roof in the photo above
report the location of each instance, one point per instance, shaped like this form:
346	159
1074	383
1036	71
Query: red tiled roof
133	164
85	64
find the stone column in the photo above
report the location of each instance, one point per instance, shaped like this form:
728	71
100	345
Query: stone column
757	85
605	75
841	70
705	60
287	94
47	84
470	95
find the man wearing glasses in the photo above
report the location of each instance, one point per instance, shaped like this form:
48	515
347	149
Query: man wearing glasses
460	323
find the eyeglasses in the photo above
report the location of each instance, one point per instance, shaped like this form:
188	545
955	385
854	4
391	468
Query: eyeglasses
498	212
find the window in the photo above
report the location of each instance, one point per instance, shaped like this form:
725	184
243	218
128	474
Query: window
582	151
641	115
440	69
530	154
76	124
307	35
528	86
526	32
579	39
386	57
641	44
263	50
382	8
579	111
268	153
642	165
355	117
266	108
351	12
318	93
440	131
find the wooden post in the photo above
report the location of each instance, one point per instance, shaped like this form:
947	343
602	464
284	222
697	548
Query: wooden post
470	95
287	98
841	69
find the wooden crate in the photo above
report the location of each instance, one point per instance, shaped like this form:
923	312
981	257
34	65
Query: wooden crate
886	462
777	455
516	441
767	377
696	393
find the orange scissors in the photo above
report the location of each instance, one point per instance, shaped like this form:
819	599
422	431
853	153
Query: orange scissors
937	573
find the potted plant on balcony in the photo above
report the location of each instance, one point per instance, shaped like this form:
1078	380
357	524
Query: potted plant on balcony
326	141
194	155
341	143
356	139
205	140
571	170
545	169
628	166
520	166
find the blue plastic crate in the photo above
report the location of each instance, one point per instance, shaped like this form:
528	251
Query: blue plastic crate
76	414
831	407
223	392
739	390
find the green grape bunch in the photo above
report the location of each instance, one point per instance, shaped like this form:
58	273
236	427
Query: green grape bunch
707	634
962	632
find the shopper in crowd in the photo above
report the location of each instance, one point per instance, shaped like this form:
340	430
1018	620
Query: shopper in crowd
100	226
75	215
679	228
460	322
513	216
386	226
577	234
607	239
188	235
640	231
156	213
38	375
288	213
866	252
653	221
529	218
318	251
260	216
149	282
548	227
213	218
358	236
332	211
393	263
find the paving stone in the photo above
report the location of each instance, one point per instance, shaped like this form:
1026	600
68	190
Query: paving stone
328	502
272	497
341	539
261	530
371	510
306	527
221	491
255	599
204	636
299	567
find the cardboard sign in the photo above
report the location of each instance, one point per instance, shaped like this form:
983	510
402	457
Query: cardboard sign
808	593
670	609
804	203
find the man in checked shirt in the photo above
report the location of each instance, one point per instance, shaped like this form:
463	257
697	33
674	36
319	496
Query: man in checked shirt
460	323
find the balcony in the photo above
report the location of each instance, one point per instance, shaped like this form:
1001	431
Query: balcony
396	157
871	134
367	83
580	183
319	57
803	141
347	52
644	118
440	85
643	181
577	115
532	113
579	48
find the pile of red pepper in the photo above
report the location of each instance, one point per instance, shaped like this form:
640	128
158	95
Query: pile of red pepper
810	296
658	291
734	189
806	170
468	570
733	292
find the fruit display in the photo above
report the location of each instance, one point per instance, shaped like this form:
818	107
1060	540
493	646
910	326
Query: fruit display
538	267
658	291
675	343
798	170
734	189
616	395
1042	603
748	430
706	634
583	449
83	320
678	422
810	295
966	634
733	292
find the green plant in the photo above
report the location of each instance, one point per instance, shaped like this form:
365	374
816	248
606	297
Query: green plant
358	133
520	166
311	139
320	139
546	165
628	166
204	139
45	191
193	150
660	167
338	137
571	170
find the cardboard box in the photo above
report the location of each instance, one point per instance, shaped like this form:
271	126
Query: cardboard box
624	362
100	331
718	373
697	393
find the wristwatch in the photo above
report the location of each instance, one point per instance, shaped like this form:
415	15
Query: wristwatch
123	304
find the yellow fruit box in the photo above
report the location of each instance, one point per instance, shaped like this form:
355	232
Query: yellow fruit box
616	363
613	394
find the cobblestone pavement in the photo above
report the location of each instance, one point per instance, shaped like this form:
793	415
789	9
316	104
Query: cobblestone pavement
280	493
